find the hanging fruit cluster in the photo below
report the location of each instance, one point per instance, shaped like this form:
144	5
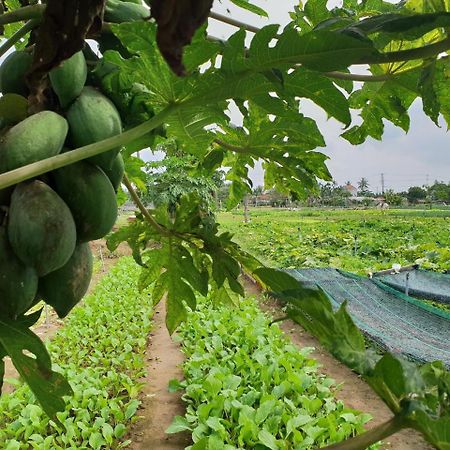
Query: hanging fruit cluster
46	223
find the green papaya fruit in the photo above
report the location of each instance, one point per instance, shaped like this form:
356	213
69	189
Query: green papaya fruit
92	118
39	136
65	287
90	196
115	173
41	228
118	11
18	283
69	78
13	71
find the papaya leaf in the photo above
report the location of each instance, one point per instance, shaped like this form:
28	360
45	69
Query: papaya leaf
28	320
317	50
430	102
395	379
133	169
442	88
402	26
316	11
276	280
136	234
225	267
188	270
48	386
245	4
153	263
200	51
382	100
336	331
427	6
321	91
171	282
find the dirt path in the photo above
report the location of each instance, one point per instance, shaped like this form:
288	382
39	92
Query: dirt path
159	406
354	392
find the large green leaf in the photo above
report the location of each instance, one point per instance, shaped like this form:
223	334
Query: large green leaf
442	87
335	330
32	361
427	6
430	102
409	27
395	379
321	91
246	4
318	50
276	280
382	100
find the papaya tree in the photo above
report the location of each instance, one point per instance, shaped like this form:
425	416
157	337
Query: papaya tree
154	75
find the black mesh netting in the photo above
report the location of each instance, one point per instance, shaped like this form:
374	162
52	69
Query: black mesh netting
397	322
421	284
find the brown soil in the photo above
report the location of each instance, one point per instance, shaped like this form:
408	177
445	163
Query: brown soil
159	407
354	392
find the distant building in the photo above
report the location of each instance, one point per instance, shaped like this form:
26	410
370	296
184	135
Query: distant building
351	189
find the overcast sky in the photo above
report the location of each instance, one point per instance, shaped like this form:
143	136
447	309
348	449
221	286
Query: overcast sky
421	156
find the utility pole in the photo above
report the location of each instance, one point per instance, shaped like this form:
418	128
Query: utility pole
382	183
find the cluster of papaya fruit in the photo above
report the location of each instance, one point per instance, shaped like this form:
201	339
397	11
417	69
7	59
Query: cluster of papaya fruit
46	223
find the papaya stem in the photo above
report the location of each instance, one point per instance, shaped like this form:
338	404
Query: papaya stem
362	441
55	162
19	34
25	13
150	219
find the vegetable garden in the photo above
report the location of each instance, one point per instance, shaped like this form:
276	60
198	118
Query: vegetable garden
356	241
85	86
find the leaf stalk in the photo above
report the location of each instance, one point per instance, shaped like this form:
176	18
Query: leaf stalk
227	146
19	34
137	201
25	13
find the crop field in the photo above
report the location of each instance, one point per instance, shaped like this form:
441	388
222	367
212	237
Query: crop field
246	386
164	348
100	349
359	241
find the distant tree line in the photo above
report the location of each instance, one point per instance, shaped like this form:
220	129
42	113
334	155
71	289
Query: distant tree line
167	180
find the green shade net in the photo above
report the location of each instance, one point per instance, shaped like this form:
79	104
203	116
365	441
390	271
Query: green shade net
420	283
396	322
